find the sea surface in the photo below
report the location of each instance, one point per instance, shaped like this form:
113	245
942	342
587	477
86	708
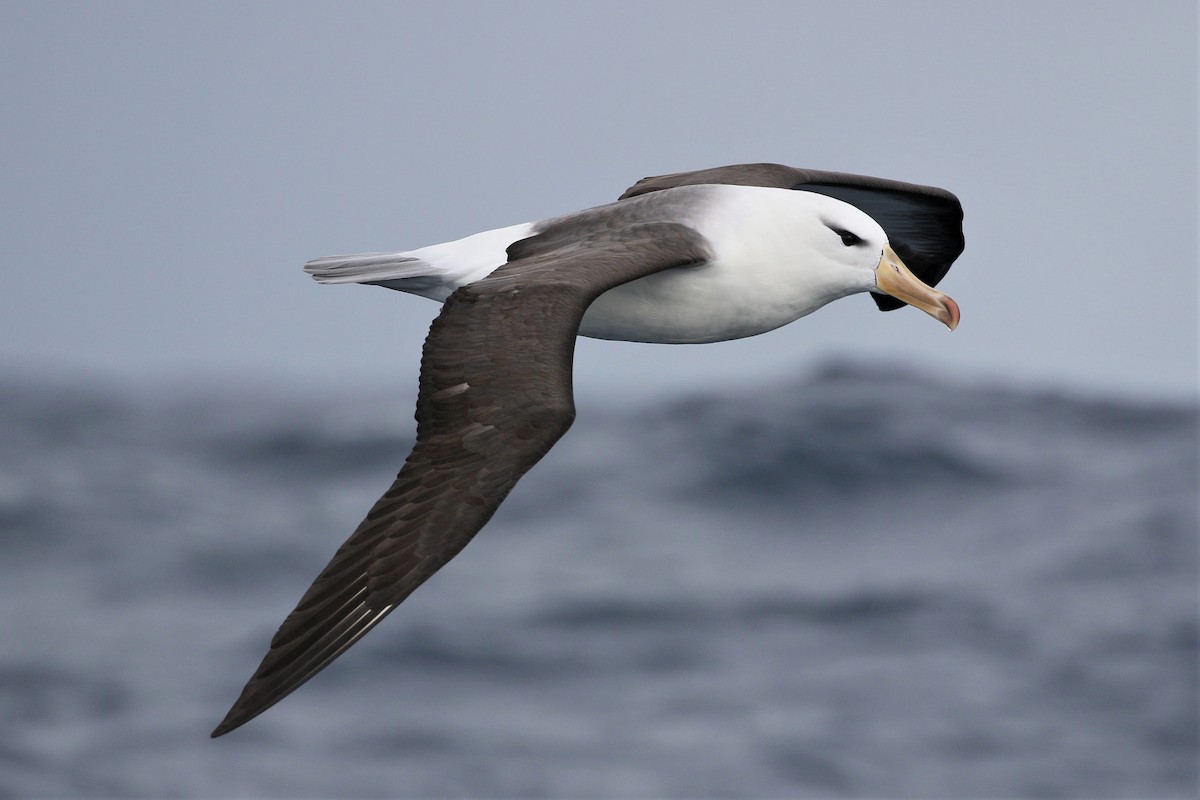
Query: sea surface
854	583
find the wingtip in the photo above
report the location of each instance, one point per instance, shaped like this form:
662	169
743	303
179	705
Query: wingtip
238	715
228	724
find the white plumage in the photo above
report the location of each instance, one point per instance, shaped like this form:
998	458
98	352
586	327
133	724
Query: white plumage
777	255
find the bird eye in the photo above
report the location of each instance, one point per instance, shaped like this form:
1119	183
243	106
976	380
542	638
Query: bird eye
849	239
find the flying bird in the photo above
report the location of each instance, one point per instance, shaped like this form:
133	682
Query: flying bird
689	257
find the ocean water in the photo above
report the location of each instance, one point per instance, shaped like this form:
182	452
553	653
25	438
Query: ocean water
857	583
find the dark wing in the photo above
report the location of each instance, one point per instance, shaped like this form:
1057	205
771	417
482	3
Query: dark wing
923	223
495	395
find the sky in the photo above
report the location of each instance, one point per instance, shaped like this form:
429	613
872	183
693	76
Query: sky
169	167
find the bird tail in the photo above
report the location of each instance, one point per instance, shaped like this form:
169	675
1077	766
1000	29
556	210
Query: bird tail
366	268
433	271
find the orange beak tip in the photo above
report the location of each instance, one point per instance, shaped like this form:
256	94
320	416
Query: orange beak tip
952	313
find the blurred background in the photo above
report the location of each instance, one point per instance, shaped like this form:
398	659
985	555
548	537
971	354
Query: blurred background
856	557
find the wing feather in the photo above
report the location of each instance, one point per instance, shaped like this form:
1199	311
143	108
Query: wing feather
495	395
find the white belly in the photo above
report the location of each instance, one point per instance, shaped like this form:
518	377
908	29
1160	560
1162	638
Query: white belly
695	305
762	274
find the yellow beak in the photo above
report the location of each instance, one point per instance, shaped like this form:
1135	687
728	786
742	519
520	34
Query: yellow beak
892	277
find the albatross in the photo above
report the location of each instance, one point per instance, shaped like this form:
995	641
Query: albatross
689	257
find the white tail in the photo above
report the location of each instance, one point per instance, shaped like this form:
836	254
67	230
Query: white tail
434	271
366	268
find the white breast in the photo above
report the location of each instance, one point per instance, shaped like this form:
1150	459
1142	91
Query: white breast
775	259
769	268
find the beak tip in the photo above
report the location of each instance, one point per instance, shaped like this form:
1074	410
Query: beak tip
894	279
952	313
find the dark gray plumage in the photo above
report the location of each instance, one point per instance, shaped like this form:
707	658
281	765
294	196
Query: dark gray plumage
495	395
686	264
